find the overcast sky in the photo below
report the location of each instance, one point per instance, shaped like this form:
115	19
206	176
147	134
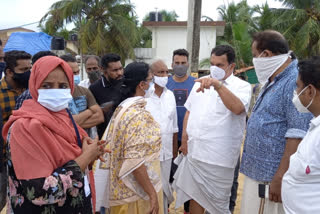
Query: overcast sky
16	13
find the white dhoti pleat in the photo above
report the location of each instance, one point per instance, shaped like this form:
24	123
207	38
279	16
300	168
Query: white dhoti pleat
167	189
250	203
101	180
209	185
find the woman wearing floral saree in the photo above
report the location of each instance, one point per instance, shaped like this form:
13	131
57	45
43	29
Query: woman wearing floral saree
135	186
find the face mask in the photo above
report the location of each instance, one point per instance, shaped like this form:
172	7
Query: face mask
217	73
297	103
2	67
180	70
266	66
94	76
22	79
54	99
161	81
148	91
76	79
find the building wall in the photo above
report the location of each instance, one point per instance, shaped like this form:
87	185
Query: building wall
167	39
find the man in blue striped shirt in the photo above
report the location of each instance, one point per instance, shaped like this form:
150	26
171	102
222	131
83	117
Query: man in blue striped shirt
275	127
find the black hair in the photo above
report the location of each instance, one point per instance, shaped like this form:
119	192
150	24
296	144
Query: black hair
41	54
110	57
134	73
273	41
0	42
92	56
181	52
309	71
68	58
225	50
11	58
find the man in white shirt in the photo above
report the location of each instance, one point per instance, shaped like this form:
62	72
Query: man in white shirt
213	129
92	66
161	104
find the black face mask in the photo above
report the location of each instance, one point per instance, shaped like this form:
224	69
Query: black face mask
22	79
94	75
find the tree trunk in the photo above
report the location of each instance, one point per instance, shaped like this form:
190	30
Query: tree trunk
193	35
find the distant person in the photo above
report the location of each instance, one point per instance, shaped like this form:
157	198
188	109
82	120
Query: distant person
26	94
17	73
162	106
213	130
92	66
86	112
48	154
275	127
181	85
107	89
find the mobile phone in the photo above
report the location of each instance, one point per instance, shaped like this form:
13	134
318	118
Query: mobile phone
263	191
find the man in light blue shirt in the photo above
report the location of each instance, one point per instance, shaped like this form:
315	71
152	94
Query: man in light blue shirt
275	127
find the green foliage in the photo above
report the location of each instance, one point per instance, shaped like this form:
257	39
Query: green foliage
300	24
102	25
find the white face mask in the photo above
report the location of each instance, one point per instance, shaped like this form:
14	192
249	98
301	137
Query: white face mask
297	103
161	81
266	66
54	99
148	91
217	73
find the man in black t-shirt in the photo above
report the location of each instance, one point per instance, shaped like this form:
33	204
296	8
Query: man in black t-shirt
107	89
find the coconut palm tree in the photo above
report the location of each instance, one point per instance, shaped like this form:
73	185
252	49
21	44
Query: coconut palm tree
103	25
300	24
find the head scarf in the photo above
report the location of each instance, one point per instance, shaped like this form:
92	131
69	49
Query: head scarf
41	140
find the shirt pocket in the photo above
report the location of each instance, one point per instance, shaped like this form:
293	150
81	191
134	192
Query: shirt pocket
298	167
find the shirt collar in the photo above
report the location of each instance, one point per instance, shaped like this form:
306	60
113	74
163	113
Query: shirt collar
315	122
229	80
4	84
287	70
152	90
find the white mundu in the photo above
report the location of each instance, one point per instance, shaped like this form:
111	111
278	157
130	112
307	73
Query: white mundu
163	110
214	139
300	190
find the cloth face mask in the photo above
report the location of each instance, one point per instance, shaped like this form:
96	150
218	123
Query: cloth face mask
266	66
180	70
54	99
161	81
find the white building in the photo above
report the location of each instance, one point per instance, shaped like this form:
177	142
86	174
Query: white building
169	36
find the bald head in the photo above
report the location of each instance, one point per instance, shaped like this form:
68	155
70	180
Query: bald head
159	68
270	40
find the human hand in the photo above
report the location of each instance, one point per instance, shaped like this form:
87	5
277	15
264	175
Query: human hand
154	204
275	189
94	148
206	83
184	144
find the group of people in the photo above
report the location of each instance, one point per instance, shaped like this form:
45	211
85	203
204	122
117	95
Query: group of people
123	140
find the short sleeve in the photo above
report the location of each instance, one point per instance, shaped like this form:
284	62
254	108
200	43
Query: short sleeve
90	98
244	94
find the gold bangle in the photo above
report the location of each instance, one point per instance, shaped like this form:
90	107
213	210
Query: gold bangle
219	86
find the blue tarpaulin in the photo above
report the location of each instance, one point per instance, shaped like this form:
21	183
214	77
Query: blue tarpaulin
30	42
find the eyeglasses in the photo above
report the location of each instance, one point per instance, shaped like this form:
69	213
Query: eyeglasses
149	79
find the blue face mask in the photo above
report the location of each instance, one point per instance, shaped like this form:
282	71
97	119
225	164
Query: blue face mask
2	67
76	79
